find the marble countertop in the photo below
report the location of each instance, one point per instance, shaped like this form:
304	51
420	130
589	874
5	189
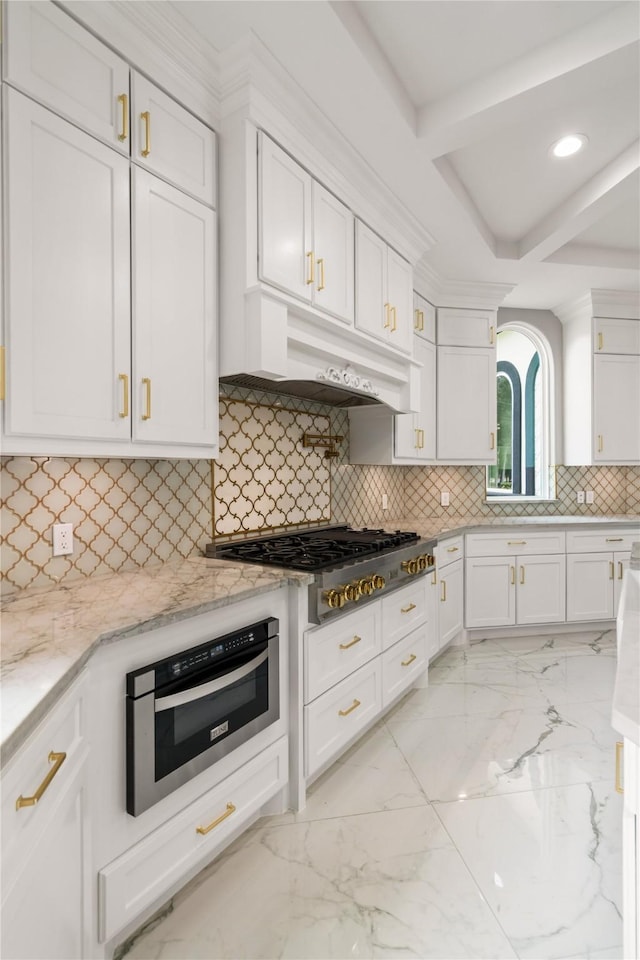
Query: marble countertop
48	635
433	528
625	714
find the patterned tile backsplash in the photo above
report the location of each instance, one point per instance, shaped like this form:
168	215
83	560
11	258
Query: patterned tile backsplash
131	513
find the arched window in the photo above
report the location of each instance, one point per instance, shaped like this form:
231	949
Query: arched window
524	439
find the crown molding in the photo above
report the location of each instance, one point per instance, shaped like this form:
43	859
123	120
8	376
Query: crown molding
443	292
254	83
159	42
624	304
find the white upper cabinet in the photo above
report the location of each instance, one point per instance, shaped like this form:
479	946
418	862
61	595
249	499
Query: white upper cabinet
424	318
53	59
466	328
171	142
67	259
466	405
415	433
613	335
305	235
174	312
384	294
616	408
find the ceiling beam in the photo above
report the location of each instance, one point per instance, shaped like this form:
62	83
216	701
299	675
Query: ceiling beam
486	104
590	255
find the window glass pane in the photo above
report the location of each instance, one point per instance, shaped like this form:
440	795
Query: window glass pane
501	475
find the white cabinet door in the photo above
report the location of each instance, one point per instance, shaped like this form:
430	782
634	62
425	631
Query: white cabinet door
590	578
466	405
424	318
285	252
68	280
56	61
171	142
433	604
400	296
466	328
621	561
450	613
616	408
415	433
541	589
613	335
174	324
490	592
372	308
333	247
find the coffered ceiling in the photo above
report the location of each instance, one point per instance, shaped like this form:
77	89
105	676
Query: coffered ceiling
455	104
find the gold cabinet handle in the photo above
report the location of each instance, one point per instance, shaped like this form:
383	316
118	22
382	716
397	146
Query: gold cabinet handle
147	384
513	574
146	119
3	380
57	759
125	394
522	574
491	335
229	809
515	543
387	315
620	570
600	443
394	322
492	444
321	285
405	663
419	321
434	578
600	341
123	100
422	439
311	276
619	779
352	643
417	440
408	609
354	706
611	570
452	549
443	594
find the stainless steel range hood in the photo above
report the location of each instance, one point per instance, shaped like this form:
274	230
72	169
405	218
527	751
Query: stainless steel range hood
320	391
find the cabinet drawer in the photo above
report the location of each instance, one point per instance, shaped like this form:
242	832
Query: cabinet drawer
466	328
403	611
62	732
519	542
181	149
588	541
338	715
146	872
403	663
449	550
334	651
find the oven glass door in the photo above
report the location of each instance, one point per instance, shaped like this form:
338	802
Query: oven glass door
191	715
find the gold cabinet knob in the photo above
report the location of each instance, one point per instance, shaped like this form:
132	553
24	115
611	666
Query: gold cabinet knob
352	591
334	599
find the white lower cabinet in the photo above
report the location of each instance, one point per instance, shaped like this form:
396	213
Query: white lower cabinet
402	664
596	561
339	648
45	857
450	612
147	871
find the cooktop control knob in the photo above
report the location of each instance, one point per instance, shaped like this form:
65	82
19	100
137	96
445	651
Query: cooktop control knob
410	566
378	581
334	599
352	591
366	586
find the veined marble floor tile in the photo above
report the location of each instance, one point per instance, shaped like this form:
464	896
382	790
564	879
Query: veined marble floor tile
593	641
549	864
373	775
515	750
379	885
609	953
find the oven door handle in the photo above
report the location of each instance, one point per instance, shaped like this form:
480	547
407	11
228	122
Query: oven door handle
197	693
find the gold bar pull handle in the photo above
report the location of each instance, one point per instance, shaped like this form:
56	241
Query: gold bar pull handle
422	439
352	643
491	335
387	315
320	261
394	322
434	578
354	706
417	440
515	543
492	441
513	574
419	321
123	100
146	119
311	277
57	759
522	574
620	570
452	549
405	663
229	809
611	570
443	594
125	394
600	340
408	609
600	443
619	776
147	384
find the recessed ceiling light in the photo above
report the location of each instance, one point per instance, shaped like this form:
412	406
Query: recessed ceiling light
569	145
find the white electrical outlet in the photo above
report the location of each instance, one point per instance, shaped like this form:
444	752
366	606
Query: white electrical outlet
589	498
444	498
580	496
62	539
385	501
